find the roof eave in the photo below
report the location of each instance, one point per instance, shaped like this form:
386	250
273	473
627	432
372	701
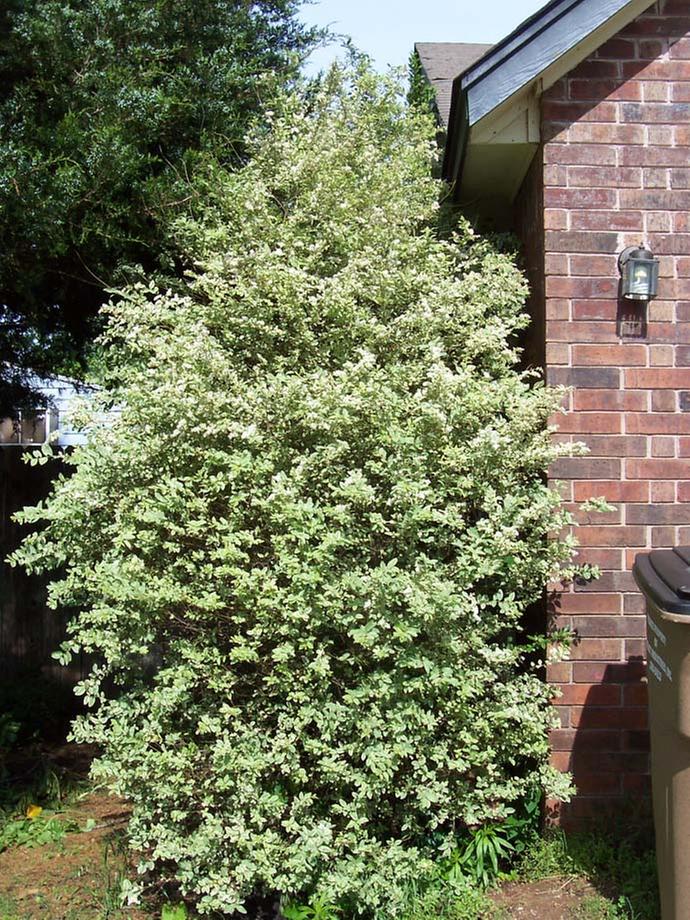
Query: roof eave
563	33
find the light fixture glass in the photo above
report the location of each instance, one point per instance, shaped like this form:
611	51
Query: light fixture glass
639	272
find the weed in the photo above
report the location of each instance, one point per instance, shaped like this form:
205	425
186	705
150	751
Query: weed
108	894
548	856
521	828
8	909
612	865
488	846
484	853
597	907
447	901
35	832
317	909
174	912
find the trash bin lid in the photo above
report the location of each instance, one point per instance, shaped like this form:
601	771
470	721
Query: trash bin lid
664	577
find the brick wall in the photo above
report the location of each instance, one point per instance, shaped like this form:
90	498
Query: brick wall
616	170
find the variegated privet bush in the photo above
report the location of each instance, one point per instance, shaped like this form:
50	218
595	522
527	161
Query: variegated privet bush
301	552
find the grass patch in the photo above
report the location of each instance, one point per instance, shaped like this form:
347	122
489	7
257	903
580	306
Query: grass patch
601	908
445	901
622	869
114	870
8	909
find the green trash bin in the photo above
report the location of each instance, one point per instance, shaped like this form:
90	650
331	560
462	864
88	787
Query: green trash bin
664	578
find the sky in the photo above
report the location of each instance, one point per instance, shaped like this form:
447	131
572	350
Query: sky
387	29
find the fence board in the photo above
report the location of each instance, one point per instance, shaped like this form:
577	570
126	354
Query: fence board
29	631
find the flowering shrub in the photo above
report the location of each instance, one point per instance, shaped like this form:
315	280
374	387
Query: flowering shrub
301	552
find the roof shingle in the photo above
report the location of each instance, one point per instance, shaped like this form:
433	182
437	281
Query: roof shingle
442	62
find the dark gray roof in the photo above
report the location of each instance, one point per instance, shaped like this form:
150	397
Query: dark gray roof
519	58
442	63
556	29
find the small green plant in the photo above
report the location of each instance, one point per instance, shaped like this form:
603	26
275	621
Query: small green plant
319	908
487	848
445	900
35	832
484	853
8	908
112	875
174	912
597	907
521	828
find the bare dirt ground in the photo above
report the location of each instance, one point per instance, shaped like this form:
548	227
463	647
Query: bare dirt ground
73	879
548	899
78	877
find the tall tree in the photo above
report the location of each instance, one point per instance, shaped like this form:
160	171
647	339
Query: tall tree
104	106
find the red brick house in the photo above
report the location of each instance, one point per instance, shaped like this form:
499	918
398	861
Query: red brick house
574	132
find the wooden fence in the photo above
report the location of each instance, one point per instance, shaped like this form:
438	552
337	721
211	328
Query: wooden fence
29	631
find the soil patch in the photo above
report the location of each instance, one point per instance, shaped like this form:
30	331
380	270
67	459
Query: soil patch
76	878
548	899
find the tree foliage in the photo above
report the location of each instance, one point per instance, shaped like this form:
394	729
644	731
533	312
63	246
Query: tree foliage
420	91
302	550
105	108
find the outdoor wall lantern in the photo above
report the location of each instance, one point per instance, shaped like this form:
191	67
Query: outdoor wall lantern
639	273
